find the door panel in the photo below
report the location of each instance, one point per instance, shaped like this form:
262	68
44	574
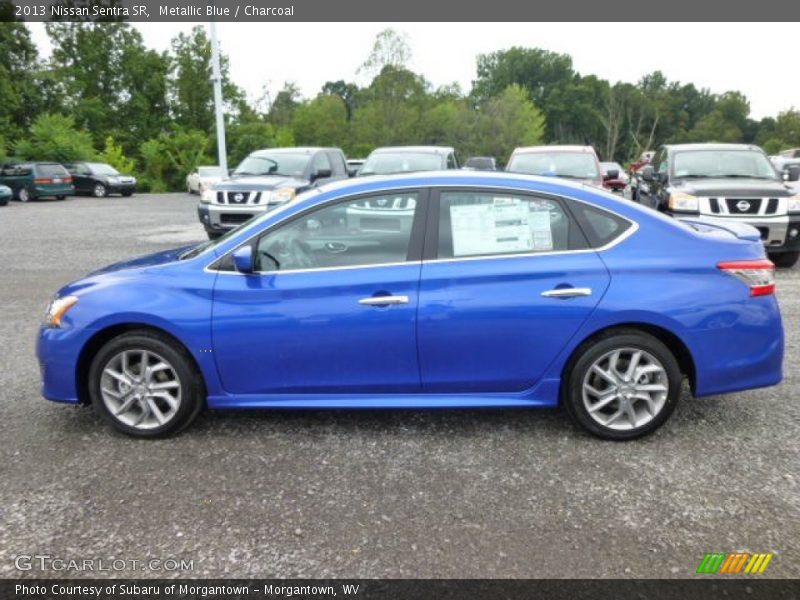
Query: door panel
484	325
308	332
511	281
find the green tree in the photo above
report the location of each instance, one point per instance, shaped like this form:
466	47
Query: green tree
391	49
167	159
55	137
509	120
246	136
284	105
19	98
114	155
321	122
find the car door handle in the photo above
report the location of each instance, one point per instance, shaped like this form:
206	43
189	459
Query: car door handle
567	292
383	300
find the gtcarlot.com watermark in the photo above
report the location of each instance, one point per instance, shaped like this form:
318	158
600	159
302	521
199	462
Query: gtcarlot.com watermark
47	562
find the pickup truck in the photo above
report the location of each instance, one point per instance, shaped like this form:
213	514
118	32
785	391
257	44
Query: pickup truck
265	180
732	182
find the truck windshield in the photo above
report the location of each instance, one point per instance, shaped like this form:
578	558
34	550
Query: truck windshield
288	164
574	165
722	163
386	163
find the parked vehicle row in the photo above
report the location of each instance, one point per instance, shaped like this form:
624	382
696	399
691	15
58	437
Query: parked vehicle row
33	180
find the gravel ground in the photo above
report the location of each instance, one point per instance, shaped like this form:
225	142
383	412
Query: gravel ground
369	494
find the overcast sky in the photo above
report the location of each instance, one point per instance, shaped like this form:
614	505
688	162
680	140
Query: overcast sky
751	58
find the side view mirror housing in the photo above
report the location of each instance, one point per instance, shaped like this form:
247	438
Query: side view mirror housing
320	174
611	174
243	259
647	173
792	173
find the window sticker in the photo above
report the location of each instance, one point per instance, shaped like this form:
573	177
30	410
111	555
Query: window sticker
505	226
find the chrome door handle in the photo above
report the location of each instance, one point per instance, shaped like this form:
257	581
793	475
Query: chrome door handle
567	292
384	300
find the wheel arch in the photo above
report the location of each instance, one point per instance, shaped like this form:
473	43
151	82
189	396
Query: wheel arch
672	341
101	337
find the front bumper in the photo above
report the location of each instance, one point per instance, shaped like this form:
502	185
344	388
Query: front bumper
218	219
780	233
57	351
121	188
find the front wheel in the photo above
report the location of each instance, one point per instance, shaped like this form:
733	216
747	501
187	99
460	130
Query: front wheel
622	386
60	197
785	260
100	190
145	385
127	194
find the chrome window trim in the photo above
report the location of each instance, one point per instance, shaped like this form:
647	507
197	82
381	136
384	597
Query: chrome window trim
618	240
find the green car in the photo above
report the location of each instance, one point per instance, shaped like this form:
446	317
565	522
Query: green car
32	180
5	195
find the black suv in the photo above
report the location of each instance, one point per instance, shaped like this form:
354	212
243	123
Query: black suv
265	180
100	179
725	181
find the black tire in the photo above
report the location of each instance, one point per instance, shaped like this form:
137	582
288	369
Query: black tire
192	391
127	194
60	197
213	235
99	190
585	357
785	260
24	194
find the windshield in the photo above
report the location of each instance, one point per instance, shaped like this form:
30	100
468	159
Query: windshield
723	163
103	169
210	171
386	163
574	165
203	246
288	164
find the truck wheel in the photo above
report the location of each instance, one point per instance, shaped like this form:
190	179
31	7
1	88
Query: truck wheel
785	260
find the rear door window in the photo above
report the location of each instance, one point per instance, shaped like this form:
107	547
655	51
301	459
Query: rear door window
51	170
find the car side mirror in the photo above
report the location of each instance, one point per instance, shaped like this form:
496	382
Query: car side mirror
793	173
612	174
352	171
321	174
647	173
243	259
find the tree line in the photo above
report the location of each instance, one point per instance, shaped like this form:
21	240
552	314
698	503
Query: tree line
102	94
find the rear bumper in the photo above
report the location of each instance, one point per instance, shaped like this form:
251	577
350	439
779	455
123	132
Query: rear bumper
41	191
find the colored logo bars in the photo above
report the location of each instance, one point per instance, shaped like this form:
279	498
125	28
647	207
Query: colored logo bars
737	562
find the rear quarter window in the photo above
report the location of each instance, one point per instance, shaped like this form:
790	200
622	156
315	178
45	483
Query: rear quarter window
600	226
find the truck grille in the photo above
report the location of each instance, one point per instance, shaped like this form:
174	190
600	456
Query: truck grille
238	197
743	206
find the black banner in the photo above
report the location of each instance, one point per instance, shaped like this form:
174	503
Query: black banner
278	11
401	589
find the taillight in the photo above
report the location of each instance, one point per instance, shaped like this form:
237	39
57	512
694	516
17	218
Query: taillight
758	275
42	180
67	179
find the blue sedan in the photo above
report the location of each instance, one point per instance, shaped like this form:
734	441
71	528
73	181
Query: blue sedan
459	289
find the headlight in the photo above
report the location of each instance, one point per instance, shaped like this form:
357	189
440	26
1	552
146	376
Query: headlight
113	179
280	196
793	206
207	197
57	309
683	202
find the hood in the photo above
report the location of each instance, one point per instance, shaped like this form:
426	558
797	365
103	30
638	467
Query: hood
258	183
732	187
149	260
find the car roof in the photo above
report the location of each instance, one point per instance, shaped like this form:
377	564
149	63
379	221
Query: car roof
553	148
688	147
429	149
294	150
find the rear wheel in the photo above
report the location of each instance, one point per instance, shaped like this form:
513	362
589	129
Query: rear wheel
622	386
145	385
785	260
23	195
100	190
60	197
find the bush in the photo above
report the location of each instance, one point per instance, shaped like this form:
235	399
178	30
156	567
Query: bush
114	156
54	137
167	159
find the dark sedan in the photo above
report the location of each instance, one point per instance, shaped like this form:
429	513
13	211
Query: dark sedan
100	179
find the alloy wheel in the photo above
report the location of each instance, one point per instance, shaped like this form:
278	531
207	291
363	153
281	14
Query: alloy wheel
141	389
99	190
625	389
